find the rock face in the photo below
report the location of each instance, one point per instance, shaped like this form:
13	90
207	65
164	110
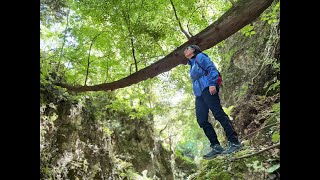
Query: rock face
250	62
251	74
81	138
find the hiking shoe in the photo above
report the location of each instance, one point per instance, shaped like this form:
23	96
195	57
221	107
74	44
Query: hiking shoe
232	147
216	149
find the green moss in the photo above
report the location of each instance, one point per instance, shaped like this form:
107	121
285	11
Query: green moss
186	159
240	166
45	172
219	175
275	117
273	88
227	58
243	152
276	107
184	162
220	168
243	90
143	156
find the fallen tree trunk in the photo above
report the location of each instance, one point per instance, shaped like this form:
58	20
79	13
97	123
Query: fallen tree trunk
229	23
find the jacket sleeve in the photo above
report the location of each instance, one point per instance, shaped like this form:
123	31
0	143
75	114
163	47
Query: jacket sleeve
208	65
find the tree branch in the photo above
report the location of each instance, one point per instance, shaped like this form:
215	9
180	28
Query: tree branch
132	46
170	136
191	16
175	13
229	23
93	40
164	128
107	72
64	40
127	19
245	156
142	61
134	56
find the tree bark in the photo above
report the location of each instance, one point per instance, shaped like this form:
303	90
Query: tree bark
229	23
134	56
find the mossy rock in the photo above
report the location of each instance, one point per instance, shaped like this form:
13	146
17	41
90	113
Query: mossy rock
184	163
224	169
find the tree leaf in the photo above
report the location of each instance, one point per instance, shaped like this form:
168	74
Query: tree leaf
276	137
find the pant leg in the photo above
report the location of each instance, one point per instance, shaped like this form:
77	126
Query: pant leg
202	111
213	102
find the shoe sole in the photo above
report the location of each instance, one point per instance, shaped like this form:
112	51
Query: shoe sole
208	158
232	152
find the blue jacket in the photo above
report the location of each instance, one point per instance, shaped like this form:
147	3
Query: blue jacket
200	81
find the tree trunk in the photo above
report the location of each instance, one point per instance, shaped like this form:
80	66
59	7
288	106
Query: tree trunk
229	23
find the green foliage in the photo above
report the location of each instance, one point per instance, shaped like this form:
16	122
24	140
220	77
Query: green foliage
219	168
184	158
243	90
117	21
248	30
276	66
227	58
274	87
276	136
273	15
274	118
228	110
195	142
67	32
256	166
276	107
107	131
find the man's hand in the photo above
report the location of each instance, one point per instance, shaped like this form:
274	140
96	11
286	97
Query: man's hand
212	90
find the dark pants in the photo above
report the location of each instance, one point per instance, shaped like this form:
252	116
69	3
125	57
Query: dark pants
205	102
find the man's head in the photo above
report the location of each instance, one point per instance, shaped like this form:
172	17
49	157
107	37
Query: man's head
191	51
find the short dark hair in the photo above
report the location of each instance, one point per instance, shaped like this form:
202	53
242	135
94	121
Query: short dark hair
196	48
